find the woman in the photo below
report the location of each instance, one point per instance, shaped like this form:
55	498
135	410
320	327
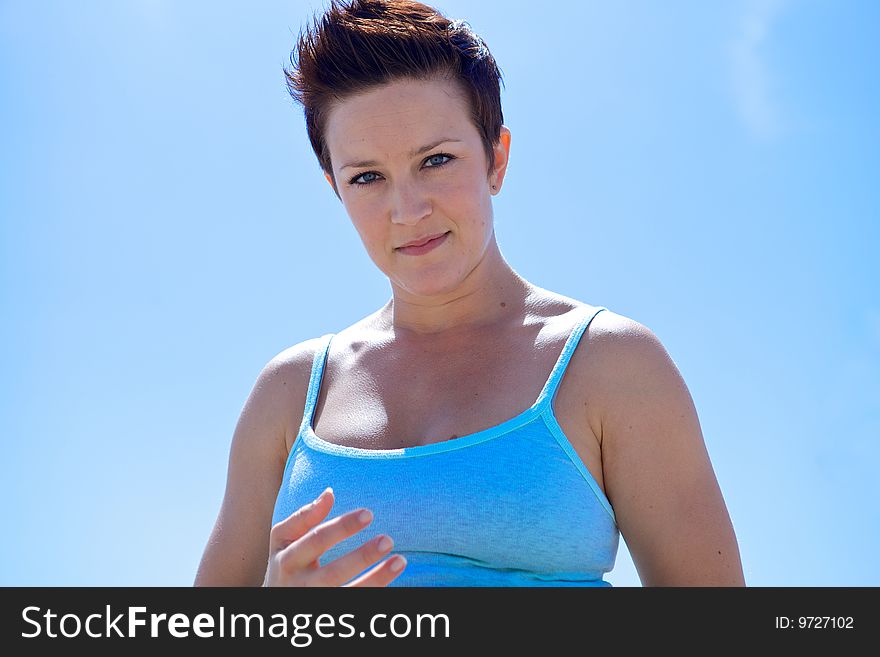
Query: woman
414	415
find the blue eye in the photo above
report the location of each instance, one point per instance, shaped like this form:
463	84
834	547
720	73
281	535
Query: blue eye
354	180
439	164
358	181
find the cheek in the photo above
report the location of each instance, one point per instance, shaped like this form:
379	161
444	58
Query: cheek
376	238
463	195
472	207
365	216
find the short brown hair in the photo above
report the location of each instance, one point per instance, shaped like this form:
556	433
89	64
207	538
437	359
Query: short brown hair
363	43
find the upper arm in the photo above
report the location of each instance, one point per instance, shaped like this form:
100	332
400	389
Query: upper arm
238	548
658	475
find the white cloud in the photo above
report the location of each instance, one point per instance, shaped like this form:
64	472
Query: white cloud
751	77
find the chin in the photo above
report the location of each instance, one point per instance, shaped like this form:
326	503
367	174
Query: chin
430	282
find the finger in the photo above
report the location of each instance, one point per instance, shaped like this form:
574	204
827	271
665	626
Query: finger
383	574
316	541
301	521
340	570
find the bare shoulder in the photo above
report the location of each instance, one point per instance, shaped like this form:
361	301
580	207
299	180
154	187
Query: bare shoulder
609	364
287	373
633	377
614	333
658	474
236	551
292	366
296	359
634	391
624	351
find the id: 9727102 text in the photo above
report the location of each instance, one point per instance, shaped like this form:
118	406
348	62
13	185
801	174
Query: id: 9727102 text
815	623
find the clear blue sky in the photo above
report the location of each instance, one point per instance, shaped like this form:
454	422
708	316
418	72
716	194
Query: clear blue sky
708	169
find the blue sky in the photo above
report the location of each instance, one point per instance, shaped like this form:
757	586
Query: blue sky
708	169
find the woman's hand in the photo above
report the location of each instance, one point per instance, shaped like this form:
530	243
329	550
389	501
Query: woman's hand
297	543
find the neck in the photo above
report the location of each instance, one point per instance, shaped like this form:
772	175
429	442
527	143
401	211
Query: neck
491	294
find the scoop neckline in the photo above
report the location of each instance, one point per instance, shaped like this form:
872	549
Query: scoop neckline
314	441
543	403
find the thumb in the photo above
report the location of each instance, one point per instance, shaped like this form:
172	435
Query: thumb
301	521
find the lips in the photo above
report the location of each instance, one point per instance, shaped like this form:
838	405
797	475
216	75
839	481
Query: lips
423	240
426	247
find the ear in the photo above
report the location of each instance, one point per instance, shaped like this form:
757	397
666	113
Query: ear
332	184
502	154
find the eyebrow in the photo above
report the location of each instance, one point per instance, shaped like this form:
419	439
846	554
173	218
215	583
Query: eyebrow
418	151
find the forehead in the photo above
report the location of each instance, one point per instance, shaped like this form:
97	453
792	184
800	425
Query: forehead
396	116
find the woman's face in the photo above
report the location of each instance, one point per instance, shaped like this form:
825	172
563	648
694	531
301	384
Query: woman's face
408	164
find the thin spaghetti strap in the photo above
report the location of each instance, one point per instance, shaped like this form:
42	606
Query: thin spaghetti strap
315	378
548	394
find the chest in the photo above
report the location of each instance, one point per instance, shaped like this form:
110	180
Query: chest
379	402
419	403
499	512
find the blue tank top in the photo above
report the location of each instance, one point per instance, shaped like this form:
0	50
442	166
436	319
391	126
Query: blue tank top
512	505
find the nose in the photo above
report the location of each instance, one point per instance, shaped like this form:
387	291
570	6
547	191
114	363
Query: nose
409	204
